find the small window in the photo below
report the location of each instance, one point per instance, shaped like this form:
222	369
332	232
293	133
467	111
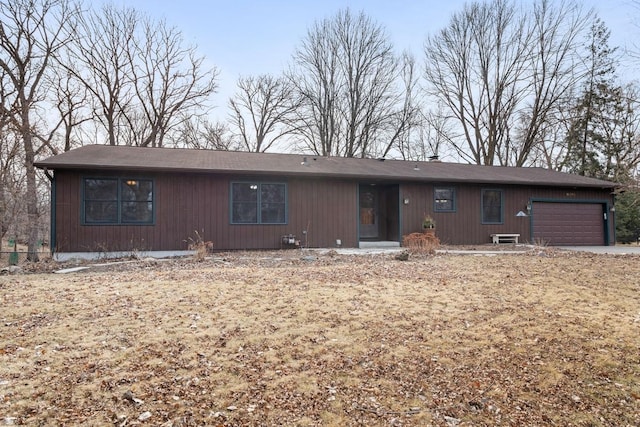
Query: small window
492	207
117	201
444	199
136	201
258	203
100	201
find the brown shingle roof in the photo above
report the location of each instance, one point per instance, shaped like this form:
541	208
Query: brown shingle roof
106	157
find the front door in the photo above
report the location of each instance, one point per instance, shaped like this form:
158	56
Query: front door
369	212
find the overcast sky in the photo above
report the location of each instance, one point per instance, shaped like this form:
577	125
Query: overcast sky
251	37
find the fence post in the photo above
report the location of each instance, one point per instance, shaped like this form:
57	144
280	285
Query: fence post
13	256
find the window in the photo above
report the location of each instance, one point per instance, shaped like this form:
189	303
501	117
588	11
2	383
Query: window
444	199
258	203
492	206
117	201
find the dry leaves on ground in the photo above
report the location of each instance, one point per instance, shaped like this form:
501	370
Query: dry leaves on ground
297	338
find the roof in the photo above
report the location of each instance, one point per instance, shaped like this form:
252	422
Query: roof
110	158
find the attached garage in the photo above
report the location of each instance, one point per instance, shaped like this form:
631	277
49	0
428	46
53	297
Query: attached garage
570	223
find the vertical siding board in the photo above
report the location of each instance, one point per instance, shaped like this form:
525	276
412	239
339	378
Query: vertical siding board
222	208
66	231
163	197
76	230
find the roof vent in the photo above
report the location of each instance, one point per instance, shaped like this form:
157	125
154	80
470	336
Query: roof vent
434	158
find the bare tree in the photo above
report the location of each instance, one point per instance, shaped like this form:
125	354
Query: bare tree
99	58
346	78
32	32
261	110
551	152
9	157
405	115
169	79
70	98
501	70
554	72
139	74
7	94
201	134
434	134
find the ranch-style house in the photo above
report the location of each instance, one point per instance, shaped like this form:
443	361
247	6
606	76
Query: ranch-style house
114	199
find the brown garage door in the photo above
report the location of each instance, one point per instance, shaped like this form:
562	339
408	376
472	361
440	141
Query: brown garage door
568	223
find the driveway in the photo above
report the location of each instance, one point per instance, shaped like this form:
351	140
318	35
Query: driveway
614	250
490	250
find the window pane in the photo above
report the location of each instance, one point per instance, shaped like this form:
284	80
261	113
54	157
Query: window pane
244	203
100	189
273	213
244	192
138	190
444	199
245	213
100	200
101	212
137	212
272	198
491	206
272	193
136	196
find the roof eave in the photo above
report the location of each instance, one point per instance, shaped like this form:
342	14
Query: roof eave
312	174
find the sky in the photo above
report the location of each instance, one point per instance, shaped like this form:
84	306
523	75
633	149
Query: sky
251	37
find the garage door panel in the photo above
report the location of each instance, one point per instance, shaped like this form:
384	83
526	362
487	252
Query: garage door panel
568	223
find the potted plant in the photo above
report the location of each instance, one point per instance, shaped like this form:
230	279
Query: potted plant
428	223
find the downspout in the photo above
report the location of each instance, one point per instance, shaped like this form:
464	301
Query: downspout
530	213
52	212
400	214
357	214
612	211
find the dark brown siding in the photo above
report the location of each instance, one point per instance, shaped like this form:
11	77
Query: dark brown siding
326	209
464	226
190	203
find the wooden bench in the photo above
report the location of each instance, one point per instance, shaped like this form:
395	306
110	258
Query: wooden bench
505	238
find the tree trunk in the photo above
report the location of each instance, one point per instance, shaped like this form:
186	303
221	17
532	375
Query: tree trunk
32	191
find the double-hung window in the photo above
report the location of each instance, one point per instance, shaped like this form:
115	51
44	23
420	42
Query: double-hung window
492	209
117	201
444	199
258	203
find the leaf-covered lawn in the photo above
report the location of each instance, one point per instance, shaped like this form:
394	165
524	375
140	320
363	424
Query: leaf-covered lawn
291	338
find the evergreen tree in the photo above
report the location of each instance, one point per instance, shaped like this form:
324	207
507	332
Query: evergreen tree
628	216
586	137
